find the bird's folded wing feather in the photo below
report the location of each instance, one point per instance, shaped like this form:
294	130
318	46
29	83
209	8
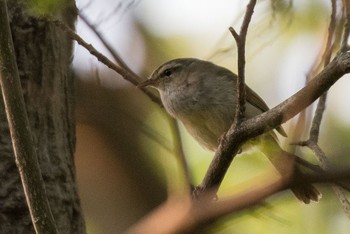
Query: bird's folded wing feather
255	100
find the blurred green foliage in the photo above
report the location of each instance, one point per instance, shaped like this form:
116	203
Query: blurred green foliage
48	7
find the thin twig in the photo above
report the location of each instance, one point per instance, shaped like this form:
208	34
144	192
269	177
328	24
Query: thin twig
346	33
235	36
321	156
96	53
316	122
180	154
241	41
25	154
115	55
239	110
326	57
240	106
339	192
247	19
103	59
241	59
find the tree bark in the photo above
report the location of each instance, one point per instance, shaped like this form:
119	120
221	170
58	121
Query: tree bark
43	54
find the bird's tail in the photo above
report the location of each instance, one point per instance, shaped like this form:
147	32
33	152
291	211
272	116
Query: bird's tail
305	192
286	164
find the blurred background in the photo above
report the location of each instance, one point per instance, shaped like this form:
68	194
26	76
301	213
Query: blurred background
125	157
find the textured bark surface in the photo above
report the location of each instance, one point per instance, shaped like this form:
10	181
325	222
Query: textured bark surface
43	57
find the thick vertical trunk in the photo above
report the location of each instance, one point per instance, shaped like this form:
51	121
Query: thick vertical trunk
43	57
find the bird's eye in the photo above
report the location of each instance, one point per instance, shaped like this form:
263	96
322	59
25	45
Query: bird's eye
167	72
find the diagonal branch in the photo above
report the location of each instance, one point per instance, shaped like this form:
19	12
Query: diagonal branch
103	59
251	128
274	117
115	55
183	216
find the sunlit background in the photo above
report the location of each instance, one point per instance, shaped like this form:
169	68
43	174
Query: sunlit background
124	158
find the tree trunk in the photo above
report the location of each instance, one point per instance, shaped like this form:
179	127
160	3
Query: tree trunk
43	55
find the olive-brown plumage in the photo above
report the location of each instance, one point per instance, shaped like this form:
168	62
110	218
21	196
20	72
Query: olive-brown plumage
203	97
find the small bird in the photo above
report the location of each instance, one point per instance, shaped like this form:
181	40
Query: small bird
203	97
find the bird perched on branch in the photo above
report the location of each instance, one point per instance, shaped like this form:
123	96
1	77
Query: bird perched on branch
203	97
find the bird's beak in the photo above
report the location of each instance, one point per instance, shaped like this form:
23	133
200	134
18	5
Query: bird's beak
146	83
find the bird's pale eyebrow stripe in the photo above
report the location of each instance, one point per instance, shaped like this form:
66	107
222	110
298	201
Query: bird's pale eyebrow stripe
167	67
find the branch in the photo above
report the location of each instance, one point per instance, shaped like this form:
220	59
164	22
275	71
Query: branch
179	215
321	106
92	50
103	59
130	74
222	161
269	120
274	117
25	155
173	125
346	34
241	41
180	154
312	142
115	55
124	70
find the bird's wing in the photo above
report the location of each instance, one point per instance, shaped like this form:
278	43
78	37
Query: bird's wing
255	100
